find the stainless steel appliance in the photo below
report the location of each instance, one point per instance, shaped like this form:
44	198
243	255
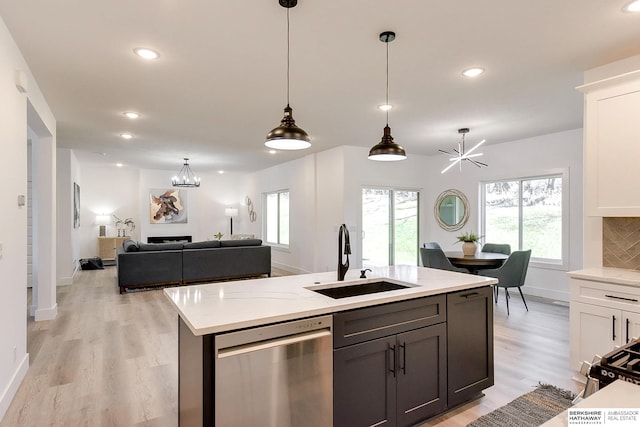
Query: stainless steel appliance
278	375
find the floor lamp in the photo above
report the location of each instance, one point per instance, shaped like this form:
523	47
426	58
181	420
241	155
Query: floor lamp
231	212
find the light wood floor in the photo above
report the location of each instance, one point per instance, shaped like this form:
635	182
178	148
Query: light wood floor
111	359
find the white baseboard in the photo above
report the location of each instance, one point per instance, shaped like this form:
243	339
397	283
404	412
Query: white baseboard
12	388
546	293
65	281
289	268
46	313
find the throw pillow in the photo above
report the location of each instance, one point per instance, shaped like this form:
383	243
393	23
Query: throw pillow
130	246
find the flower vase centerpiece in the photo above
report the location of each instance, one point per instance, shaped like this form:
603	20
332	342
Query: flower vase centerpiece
469	243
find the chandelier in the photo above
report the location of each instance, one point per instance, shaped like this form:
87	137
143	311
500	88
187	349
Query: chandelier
186	177
461	155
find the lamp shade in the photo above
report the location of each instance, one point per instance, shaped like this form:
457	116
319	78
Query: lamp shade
387	150
288	136
103	219
231	212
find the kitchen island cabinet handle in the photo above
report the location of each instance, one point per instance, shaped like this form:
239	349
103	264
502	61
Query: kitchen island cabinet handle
622	298
469	295
392	361
403	348
613	329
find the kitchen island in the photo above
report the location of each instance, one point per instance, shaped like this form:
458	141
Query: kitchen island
397	356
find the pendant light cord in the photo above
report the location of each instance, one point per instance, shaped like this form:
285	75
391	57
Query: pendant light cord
288	57
387	43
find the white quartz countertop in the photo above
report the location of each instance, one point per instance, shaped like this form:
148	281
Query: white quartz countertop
610	275
225	306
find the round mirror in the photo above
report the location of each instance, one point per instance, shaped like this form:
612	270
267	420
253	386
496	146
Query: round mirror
451	210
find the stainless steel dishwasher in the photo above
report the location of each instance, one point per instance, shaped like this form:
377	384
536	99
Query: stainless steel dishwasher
278	375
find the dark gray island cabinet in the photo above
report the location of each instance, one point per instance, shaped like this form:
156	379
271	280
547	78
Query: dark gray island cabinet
401	363
394	364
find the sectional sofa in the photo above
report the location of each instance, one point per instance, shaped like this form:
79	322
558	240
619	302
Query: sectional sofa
141	265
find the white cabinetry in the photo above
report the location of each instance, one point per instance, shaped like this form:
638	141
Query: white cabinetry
612	149
602	315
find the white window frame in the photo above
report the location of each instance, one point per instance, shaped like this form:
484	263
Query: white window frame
545	263
392	242
277	245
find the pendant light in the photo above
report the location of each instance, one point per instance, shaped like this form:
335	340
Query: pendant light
186	177
288	136
387	150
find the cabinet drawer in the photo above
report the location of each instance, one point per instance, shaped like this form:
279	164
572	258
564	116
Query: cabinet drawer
606	294
365	324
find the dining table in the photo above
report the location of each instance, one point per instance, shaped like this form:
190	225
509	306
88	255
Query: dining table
477	261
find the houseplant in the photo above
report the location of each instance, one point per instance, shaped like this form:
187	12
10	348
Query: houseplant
468	240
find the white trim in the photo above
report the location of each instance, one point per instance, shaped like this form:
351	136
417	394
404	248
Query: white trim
544	293
46	313
563	264
289	268
14	383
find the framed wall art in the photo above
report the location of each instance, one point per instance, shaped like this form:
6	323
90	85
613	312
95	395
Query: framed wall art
168	206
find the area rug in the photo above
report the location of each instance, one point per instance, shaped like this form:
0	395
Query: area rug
529	410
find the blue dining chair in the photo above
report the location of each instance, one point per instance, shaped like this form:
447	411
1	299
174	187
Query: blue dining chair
511	275
497	248
432	245
435	258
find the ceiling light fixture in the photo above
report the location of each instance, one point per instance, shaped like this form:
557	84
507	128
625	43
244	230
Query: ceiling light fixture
288	136
186	177
387	150
632	7
145	53
126	136
385	107
131	115
473	72
461	154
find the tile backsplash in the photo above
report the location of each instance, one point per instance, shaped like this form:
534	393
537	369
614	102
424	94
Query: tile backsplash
621	242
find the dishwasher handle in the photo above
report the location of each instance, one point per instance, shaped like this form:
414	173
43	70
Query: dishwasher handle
275	342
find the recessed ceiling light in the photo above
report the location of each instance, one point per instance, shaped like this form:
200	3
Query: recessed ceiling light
126	136
131	115
473	72
634	6
272	151
220	172
385	107
119	165
145	53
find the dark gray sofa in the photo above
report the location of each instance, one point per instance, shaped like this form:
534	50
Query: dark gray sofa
159	264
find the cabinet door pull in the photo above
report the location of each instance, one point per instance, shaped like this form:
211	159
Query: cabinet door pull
613	329
471	294
403	348
622	298
392	362
627	329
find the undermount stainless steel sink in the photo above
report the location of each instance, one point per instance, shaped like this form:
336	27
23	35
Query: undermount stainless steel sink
337	292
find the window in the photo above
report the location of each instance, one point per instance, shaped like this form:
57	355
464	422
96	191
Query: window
277	217
390	227
527	213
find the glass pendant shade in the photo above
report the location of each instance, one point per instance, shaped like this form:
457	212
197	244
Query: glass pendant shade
288	136
387	150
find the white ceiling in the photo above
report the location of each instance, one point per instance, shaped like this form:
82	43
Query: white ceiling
219	85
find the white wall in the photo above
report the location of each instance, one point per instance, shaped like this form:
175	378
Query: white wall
14	360
515	159
68	242
340	173
125	193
